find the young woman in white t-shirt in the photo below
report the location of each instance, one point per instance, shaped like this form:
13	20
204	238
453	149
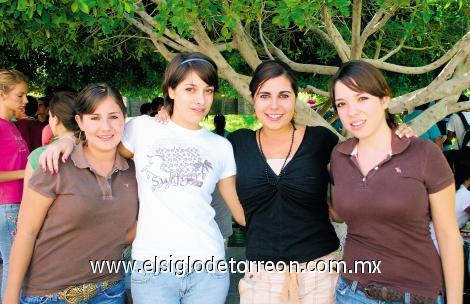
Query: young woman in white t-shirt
178	249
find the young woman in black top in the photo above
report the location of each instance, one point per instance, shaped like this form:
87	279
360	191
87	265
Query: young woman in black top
282	182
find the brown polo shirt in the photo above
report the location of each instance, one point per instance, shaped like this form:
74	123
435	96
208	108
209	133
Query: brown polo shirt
88	220
388	214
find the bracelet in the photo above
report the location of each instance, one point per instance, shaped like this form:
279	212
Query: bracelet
70	136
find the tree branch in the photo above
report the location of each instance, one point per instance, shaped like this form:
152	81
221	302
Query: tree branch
305	115
261	36
394	51
377	22
187	46
323	35
338	41
458	84
426	68
356	45
153	37
459	106
378	46
301	67
245	46
312	89
428	118
238	81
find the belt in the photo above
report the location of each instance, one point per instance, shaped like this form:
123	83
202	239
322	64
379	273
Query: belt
83	292
376	291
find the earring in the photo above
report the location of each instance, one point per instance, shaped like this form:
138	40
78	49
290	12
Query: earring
81	136
293	116
254	116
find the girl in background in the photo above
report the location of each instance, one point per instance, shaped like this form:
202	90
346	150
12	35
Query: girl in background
13	157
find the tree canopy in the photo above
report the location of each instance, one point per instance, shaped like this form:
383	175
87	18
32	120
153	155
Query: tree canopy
423	46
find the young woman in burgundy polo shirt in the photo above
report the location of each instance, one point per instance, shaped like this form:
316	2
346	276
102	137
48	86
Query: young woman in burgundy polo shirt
86	212
386	189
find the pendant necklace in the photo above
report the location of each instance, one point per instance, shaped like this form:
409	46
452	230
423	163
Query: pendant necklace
276	180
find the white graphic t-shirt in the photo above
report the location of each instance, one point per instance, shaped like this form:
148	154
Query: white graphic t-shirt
177	171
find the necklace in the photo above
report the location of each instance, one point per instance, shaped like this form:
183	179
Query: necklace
276	181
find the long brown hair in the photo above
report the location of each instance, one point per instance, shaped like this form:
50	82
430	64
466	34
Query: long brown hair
181	66
360	76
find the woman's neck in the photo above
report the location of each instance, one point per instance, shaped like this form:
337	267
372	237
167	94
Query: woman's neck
379	140
61	131
184	124
6	113
277	133
102	157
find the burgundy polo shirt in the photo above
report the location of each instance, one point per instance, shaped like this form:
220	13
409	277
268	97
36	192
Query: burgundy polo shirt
87	221
388	213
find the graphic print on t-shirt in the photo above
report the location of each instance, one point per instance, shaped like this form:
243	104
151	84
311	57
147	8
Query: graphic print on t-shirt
177	167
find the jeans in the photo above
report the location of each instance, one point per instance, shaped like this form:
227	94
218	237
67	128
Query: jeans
8	218
348	294
112	295
169	288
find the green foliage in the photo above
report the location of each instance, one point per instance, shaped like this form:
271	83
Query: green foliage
233	122
76	41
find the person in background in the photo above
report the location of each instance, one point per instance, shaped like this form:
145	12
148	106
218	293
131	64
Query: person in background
156	105
462	196
456	128
29	128
13	157
219	123
61	123
222	217
386	189
145	109
43	111
433	134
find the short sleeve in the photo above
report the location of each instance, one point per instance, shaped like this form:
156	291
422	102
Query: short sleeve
434	132
33	157
229	166
437	173
451	125
45	183
332	164
131	130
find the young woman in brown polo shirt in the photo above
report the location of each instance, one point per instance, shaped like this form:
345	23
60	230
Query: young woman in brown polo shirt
386	189
84	213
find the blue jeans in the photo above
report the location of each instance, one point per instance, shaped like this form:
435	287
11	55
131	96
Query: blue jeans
112	295
169	288
8	218
348	294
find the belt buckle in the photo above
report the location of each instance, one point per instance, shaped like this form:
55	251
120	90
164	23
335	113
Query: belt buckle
75	294
71	295
367	291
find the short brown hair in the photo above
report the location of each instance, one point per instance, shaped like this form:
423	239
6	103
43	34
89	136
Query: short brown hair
360	76
10	78
89	98
181	66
